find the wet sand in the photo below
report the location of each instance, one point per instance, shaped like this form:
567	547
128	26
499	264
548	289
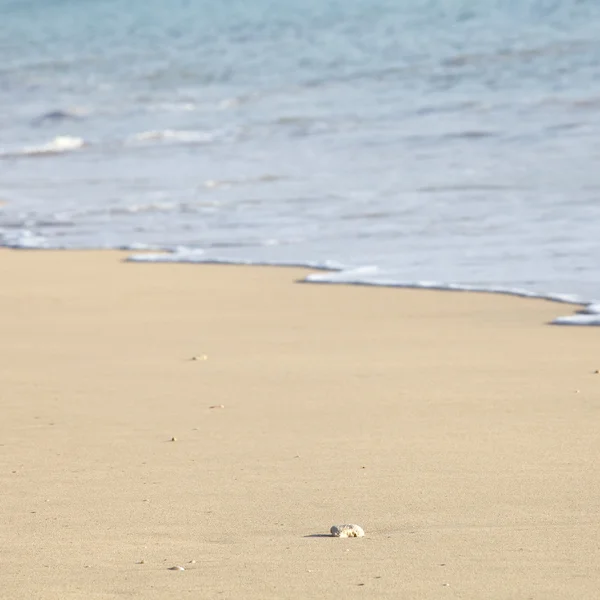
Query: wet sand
457	429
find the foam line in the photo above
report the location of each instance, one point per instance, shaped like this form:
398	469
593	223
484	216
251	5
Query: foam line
336	273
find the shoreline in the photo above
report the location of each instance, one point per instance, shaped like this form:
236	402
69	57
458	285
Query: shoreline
588	315
317	269
456	429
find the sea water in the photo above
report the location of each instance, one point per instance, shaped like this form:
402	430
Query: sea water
441	143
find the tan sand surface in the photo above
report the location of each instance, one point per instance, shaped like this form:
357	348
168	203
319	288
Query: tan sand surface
461	432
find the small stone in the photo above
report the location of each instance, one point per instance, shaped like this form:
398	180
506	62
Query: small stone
173	439
141	562
349	530
200	357
597	372
177	568
192	562
217	406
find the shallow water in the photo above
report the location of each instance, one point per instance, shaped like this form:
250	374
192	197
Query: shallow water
431	141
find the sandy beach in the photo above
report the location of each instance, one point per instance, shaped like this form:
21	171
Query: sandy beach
459	430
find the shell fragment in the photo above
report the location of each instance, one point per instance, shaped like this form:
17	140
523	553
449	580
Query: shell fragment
349	530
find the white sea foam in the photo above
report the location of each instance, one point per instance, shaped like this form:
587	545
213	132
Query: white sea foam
140	247
578	320
177	136
212	184
23	238
186	255
59	145
588	315
590	309
356	277
174	107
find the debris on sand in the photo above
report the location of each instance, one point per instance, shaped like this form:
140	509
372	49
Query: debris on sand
349	530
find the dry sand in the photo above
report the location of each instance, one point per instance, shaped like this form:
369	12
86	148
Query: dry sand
458	430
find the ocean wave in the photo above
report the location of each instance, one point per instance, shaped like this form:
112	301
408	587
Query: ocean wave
66	143
187	255
152	207
473	134
59	145
179	136
555	50
27	239
23	239
357	277
589	315
212	184
173	107
60	115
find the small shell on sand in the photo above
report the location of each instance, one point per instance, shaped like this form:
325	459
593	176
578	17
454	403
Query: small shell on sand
349	530
176	568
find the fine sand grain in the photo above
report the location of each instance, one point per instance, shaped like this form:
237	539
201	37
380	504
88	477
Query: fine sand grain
447	424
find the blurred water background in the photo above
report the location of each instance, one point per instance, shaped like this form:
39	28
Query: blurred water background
409	141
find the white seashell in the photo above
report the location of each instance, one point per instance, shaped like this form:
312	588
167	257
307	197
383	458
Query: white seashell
349	530
176	568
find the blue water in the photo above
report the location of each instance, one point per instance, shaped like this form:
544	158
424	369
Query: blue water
440	142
